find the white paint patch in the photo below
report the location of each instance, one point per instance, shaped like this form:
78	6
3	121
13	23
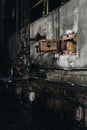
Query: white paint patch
68	31
64	61
82	1
57	58
61	26
44	27
75	28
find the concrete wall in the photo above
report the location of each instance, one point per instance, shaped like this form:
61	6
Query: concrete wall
71	16
47	25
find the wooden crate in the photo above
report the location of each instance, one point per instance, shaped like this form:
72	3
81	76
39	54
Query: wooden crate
48	45
69	36
68	44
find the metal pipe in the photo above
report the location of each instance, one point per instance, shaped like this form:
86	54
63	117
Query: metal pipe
44	7
64	69
37	4
47	8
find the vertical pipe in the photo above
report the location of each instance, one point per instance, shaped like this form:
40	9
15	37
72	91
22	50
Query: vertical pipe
47	8
44	7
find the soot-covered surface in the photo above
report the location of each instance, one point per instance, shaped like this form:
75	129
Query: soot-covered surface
14	116
17	115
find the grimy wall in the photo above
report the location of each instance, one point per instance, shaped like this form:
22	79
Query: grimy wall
71	16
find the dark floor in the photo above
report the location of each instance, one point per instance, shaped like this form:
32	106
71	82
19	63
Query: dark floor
16	115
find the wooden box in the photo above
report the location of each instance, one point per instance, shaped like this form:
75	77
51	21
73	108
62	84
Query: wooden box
48	45
69	37
68	44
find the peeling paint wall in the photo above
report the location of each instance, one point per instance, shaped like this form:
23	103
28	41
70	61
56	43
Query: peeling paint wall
72	17
69	17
